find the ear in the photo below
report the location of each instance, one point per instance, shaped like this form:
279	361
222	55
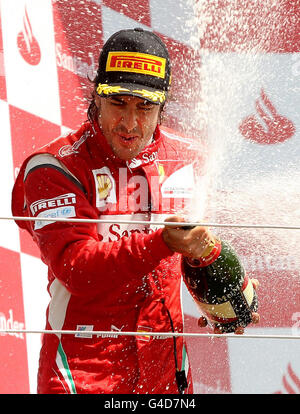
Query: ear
97	100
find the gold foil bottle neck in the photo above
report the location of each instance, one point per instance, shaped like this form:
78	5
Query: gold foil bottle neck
209	248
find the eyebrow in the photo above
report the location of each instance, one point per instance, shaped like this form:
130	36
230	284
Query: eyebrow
120	100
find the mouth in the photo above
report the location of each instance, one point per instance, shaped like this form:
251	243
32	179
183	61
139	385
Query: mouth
127	139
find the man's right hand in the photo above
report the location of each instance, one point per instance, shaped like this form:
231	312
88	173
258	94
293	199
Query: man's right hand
191	242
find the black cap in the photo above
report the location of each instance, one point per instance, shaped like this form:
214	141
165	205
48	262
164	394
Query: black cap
134	62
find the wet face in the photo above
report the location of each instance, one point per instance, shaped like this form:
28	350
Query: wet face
127	122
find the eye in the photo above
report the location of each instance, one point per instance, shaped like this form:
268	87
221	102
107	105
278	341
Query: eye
146	107
117	103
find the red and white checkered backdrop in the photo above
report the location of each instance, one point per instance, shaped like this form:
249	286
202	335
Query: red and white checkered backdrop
236	73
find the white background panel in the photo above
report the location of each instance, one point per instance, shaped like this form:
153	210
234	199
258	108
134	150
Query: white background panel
33	88
113	21
9	234
231	86
258	366
174	19
36	298
232	83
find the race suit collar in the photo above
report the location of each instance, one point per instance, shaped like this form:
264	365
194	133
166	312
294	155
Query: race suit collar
147	156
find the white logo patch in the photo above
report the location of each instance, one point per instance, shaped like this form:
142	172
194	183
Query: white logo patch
83	328
67	150
60	212
59	201
105	187
56	207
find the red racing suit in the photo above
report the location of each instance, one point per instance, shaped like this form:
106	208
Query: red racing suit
109	276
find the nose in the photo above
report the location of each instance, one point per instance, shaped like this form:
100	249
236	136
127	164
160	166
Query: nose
129	120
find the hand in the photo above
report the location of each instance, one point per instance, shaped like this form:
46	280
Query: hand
202	321
190	243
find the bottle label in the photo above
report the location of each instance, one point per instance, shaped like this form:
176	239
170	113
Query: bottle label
248	290
224	312
221	312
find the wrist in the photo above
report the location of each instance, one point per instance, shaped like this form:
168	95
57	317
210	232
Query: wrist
166	239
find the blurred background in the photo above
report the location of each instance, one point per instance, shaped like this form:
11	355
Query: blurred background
235	91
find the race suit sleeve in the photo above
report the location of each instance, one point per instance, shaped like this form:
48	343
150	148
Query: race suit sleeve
73	251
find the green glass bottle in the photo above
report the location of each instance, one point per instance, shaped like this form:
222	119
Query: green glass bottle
220	287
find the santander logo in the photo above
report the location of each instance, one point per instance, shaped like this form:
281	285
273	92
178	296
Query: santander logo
268	126
290	382
27	43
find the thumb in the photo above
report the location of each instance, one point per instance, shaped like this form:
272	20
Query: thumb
176	219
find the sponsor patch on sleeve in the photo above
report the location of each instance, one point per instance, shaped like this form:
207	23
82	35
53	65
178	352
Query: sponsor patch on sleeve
62	206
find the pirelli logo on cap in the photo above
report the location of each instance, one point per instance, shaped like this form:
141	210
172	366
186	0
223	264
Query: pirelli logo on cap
136	62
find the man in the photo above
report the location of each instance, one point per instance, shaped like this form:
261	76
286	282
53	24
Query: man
115	277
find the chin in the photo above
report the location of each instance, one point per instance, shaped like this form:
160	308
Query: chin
125	157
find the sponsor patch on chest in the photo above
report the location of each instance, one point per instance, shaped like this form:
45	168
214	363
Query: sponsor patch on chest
105	187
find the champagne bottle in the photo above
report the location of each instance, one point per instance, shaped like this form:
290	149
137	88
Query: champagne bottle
220	287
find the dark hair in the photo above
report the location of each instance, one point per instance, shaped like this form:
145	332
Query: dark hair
92	109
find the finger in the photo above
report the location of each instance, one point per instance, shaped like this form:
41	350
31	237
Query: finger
255	317
217	330
174	219
202	322
239	330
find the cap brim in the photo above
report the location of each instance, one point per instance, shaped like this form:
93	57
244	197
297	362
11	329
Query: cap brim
152	95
